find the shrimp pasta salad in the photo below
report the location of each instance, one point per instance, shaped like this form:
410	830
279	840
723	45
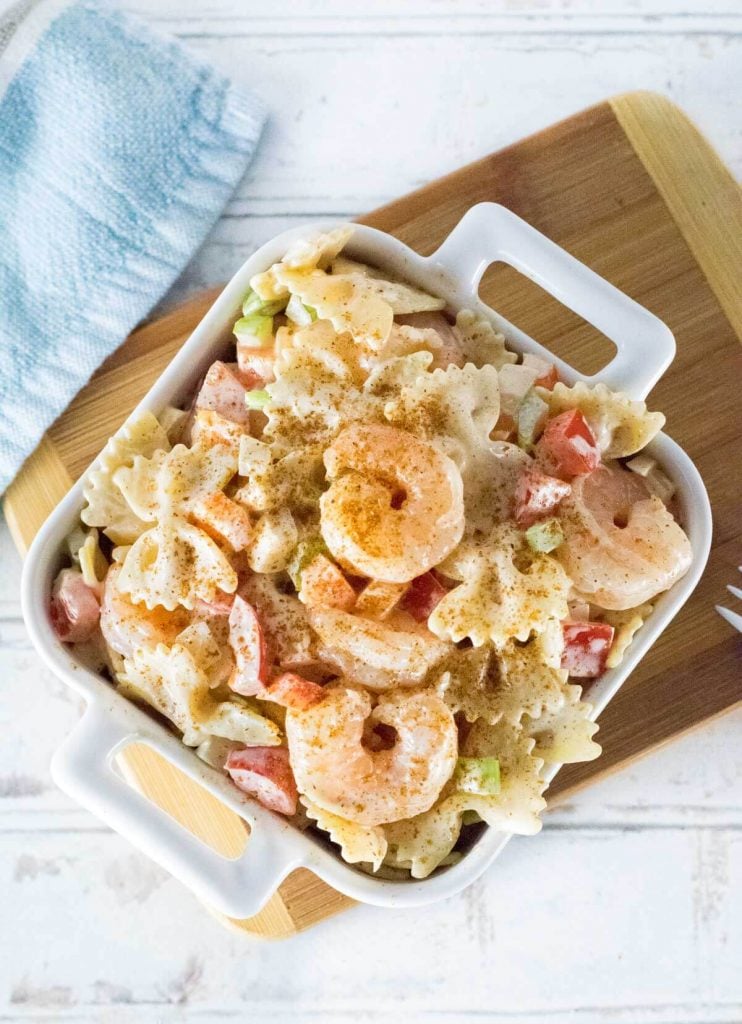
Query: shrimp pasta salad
369	572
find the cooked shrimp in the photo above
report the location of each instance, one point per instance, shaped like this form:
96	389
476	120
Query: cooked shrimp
622	547
396	505
126	626
336	771
378	655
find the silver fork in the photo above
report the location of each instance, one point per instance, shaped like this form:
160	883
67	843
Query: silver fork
733	618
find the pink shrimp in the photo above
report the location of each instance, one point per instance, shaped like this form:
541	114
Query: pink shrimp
622	547
336	770
395	507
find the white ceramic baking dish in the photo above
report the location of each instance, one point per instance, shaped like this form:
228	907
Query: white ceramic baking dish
83	766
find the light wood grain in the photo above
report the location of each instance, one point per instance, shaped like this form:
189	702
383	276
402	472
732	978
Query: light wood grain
601	185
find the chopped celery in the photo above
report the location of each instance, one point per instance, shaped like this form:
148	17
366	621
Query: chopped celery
479	775
256	399
305	552
255	330
254	304
532	414
300	314
545	536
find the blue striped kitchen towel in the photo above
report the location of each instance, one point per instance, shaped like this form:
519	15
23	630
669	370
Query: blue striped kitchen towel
118	151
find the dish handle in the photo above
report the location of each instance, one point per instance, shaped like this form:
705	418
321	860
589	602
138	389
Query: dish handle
83	768
490	233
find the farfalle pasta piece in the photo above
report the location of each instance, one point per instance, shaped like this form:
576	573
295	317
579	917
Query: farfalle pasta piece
208	645
359	844
175	482
526	684
564	734
621	426
422	843
173	422
388	376
406	340
456	409
295	479
466	684
403	298
506	685
175	563
351	303
316	250
507	591
319	389
106	506
170	680
481	343
516	808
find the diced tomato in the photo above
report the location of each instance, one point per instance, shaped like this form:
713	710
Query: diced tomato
537	496
224	520
378	599
291	690
248	643
74	608
223	392
586	647
265	773
424	594
323	585
568	443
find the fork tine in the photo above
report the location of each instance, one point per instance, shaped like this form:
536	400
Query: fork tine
737	591
731	617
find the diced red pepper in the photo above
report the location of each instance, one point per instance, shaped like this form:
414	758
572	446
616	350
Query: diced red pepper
537	496
248	643
569	445
74	607
291	690
586	647
548	379
265	773
423	595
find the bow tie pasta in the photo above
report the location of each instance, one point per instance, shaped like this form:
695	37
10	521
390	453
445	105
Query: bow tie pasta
369	572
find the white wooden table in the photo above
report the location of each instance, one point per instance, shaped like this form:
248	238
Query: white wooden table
628	907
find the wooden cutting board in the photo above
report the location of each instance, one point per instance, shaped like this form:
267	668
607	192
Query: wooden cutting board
631	188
